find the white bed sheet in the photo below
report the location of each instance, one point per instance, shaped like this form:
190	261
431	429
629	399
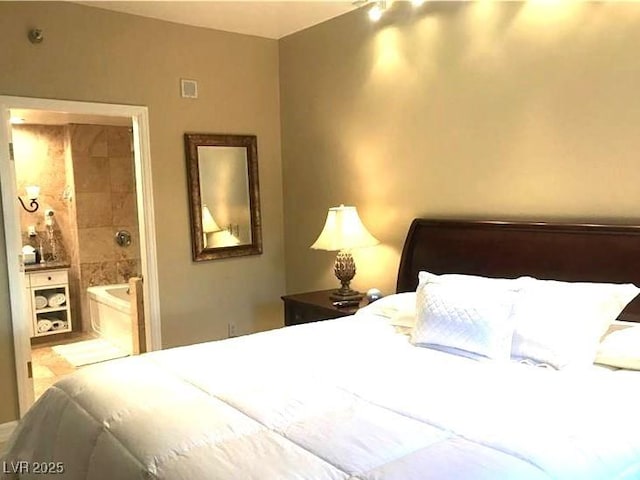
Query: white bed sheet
341	399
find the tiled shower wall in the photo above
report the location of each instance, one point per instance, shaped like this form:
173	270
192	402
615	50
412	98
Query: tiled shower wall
85	174
105	201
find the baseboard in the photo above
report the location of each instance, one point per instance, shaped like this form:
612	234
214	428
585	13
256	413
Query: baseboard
6	429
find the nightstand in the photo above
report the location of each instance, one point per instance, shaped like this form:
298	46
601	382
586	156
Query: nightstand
313	306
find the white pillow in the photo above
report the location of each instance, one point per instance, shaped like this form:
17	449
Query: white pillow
621	348
399	308
505	283
560	323
466	313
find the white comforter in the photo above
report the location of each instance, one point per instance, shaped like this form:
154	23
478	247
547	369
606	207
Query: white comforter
340	399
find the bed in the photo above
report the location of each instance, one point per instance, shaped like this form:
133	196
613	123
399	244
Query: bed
356	397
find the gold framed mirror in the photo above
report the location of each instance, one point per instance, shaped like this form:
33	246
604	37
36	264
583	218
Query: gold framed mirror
224	196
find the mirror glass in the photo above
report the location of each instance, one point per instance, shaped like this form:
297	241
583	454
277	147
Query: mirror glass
223	183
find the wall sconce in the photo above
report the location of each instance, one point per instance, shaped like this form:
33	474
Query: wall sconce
32	194
234	229
343	230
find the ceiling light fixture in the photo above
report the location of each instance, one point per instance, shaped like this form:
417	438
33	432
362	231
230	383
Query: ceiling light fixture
377	10
379	7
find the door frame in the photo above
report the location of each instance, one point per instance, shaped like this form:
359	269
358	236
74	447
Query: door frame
139	116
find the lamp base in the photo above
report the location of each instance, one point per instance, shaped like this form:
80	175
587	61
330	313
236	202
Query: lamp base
345	270
346	295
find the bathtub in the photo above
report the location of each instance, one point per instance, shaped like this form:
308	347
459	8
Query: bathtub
110	311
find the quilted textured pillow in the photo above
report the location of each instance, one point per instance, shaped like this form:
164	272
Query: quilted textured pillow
561	323
472	316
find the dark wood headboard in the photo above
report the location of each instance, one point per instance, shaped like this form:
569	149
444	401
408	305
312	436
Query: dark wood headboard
569	252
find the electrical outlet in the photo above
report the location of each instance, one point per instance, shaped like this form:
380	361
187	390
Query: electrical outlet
231	327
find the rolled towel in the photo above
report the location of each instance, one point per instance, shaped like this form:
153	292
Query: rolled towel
58	325
41	302
56	299
44	325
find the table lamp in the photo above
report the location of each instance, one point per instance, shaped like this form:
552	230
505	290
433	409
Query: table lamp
343	230
209	225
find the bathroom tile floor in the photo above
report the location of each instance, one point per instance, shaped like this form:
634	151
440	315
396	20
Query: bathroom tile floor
48	366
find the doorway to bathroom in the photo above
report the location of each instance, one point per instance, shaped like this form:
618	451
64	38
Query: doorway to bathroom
78	210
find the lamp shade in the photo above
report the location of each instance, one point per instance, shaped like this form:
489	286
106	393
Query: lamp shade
33	191
343	230
209	225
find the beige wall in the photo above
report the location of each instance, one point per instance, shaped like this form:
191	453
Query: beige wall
95	55
493	110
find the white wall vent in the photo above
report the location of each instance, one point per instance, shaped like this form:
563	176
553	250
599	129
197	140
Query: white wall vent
188	88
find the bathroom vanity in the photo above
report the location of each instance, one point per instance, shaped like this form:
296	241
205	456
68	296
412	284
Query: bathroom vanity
48	293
